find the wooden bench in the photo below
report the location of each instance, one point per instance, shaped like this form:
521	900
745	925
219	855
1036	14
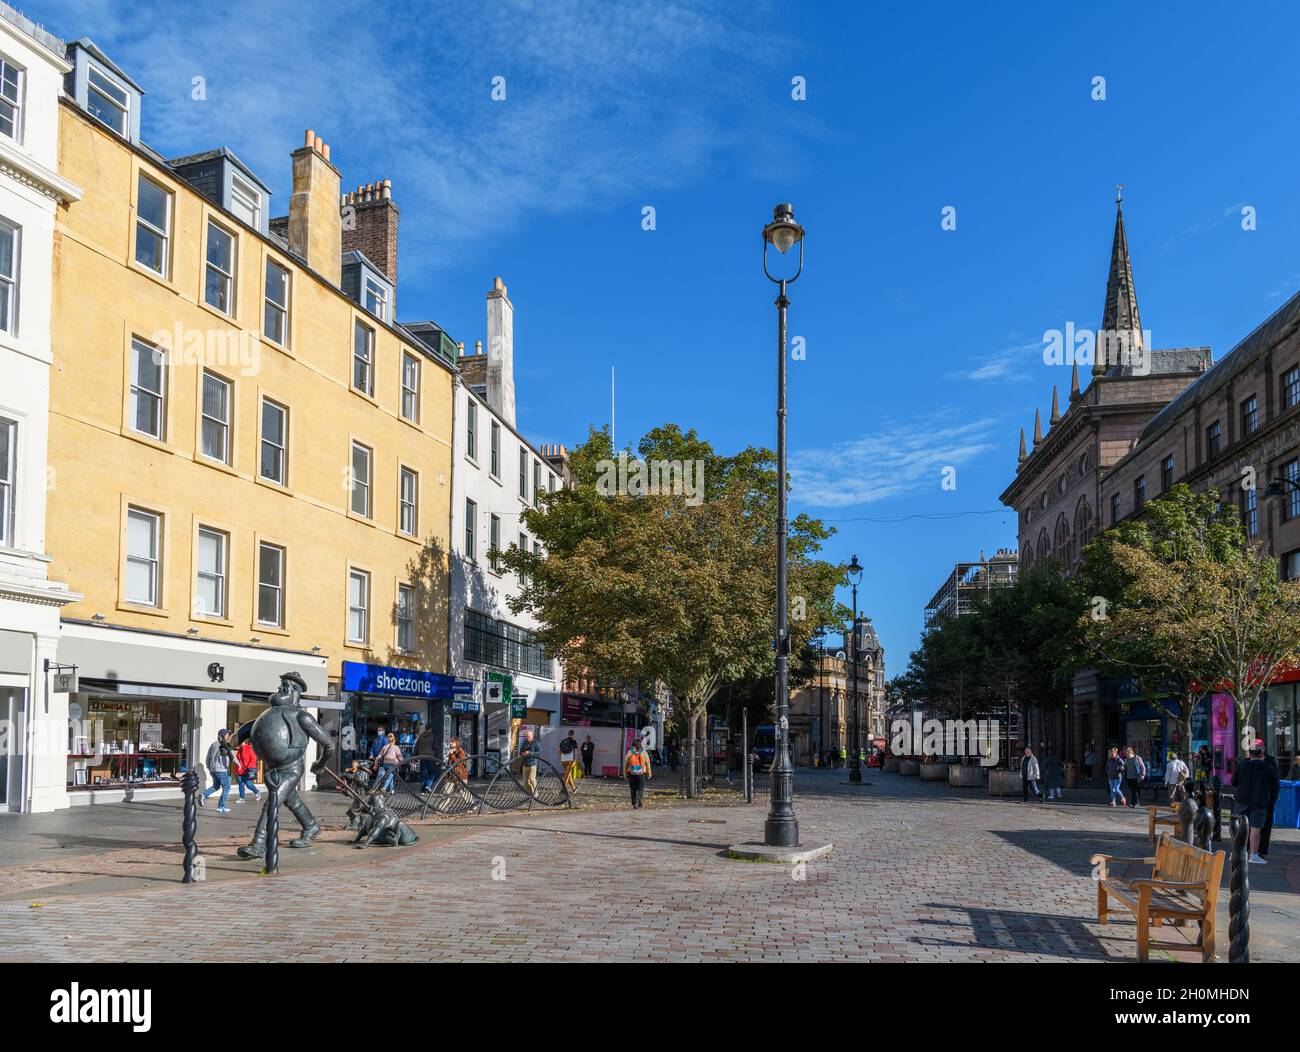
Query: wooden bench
1162	815
1183	886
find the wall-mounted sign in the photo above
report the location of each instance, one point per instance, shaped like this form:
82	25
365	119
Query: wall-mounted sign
64	683
361	678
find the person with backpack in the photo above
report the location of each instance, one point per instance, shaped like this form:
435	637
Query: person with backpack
1135	769
1255	789
636	769
246	769
569	759
1176	773
219	759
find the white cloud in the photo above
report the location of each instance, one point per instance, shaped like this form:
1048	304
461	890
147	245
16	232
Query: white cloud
1009	362
594	114
899	458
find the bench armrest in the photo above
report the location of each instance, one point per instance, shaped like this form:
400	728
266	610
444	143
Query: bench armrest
1117	858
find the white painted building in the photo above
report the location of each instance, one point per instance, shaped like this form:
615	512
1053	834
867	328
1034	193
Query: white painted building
32	68
497	474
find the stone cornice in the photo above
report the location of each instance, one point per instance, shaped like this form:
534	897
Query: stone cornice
18	166
14	590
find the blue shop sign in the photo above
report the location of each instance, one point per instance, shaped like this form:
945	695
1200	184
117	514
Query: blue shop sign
360	678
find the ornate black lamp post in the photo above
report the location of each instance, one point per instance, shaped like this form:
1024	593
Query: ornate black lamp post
855	767
782	828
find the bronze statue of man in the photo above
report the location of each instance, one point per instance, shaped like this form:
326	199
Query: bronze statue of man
280	736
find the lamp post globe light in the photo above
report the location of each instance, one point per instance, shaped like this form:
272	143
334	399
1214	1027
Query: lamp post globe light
782	828
855	765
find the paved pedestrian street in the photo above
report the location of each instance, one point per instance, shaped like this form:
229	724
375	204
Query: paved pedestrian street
919	872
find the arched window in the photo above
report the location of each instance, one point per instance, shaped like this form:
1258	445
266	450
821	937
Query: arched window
1082	523
1044	547
1061	541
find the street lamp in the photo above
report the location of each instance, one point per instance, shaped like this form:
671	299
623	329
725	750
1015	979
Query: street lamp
782	828
820	637
855	767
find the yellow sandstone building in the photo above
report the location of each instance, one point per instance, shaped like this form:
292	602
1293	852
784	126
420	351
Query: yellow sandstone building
250	459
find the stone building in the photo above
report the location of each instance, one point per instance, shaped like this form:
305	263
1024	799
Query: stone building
1236	430
820	712
1061	492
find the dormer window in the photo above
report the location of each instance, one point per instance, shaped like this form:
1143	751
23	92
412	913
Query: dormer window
376	299
246	202
108	101
11	99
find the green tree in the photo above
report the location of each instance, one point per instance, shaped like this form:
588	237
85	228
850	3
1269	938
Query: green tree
670	587
1138	577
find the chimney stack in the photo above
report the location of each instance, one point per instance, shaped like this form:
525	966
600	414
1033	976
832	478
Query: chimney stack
501	352
315	227
370	225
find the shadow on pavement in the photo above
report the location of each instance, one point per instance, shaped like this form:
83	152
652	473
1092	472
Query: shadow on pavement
1017	932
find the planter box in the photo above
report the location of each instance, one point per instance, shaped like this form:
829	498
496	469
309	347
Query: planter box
934	772
1005	783
965	776
891	764
912	767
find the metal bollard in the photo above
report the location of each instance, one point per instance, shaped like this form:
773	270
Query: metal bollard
190	822
1239	893
272	823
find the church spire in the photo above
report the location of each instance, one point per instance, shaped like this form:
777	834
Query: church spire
1121	328
1038	427
1074	382
1056	406
1023	455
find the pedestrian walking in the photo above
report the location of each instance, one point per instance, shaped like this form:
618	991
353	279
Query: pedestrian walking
219	760
1090	761
1255	789
246	769
1176	774
426	751
1029	774
588	753
389	758
1053	777
1135	769
636	769
1266	834
528	761
1115	776
569	759
377	746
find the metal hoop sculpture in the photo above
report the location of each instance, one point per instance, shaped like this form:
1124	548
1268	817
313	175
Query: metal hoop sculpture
457	791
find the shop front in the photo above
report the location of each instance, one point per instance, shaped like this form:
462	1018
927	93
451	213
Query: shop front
403	702
1278	716
142	708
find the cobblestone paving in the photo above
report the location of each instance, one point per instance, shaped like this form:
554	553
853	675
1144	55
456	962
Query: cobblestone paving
920	872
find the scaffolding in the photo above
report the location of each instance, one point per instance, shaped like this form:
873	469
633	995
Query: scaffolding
968	582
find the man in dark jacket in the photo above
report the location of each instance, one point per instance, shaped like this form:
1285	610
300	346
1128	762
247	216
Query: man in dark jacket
1254	787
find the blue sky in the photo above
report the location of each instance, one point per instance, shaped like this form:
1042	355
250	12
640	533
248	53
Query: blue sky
923	345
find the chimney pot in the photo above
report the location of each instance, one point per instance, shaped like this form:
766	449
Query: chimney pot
478	346
311	138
